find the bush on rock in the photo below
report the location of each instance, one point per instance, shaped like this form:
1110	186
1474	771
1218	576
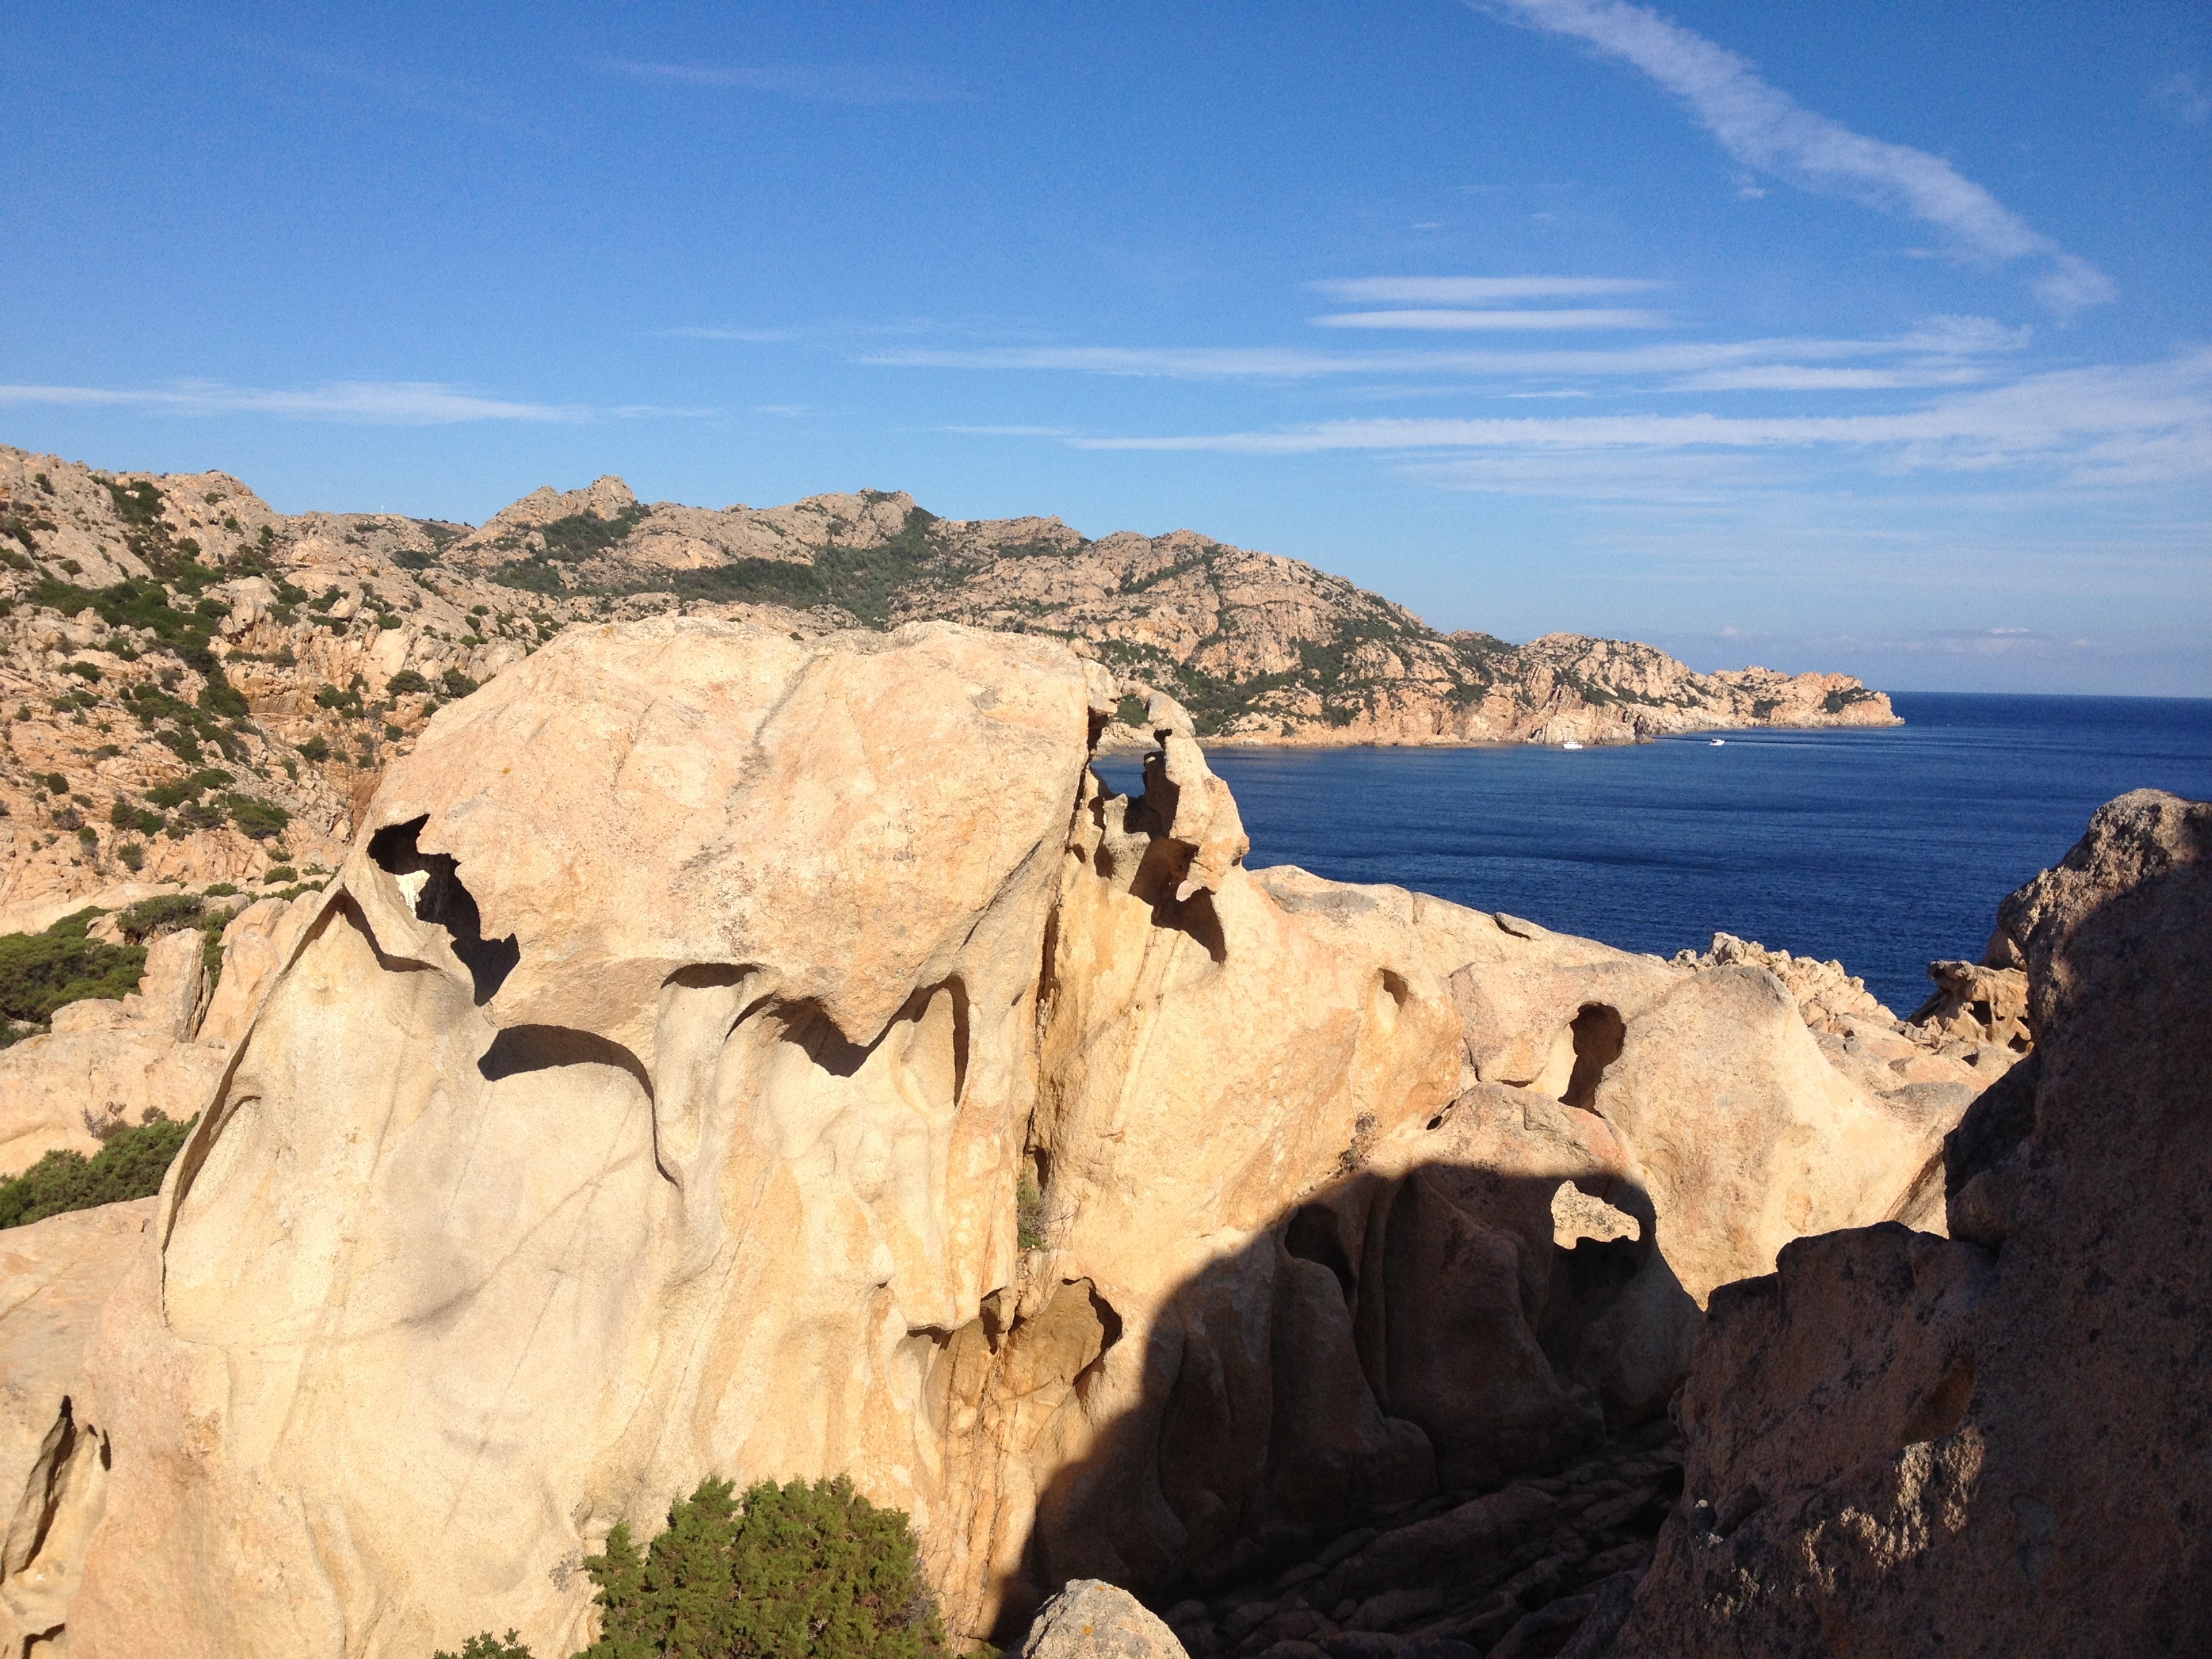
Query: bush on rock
795	1571
130	1165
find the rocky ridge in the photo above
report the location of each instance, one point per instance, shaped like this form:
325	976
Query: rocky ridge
1994	1443
195	688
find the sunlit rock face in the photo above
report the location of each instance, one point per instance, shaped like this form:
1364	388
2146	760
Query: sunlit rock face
727	1052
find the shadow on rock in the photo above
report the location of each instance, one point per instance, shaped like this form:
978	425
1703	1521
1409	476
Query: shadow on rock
1393	1347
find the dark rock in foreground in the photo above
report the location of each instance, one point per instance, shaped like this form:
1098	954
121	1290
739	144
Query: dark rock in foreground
1999	1444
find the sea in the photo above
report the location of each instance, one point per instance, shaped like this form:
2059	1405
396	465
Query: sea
1883	849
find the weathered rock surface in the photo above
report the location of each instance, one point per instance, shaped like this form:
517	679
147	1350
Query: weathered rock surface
650	1093
234	708
1994	1445
1089	1619
59	1273
105	1063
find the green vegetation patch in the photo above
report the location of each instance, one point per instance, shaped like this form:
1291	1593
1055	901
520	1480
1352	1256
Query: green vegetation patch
584	535
142	603
796	1571
866	581
1836	701
130	1165
41	972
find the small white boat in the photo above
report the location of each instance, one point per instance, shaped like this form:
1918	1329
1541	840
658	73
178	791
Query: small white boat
1720	742
1571	743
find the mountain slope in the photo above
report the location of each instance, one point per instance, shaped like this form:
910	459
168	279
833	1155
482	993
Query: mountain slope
195	688
1258	646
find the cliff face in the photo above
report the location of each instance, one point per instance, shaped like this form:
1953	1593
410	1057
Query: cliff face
724	1052
1993	1443
196	689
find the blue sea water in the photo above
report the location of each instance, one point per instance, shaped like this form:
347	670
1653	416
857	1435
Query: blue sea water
1886	849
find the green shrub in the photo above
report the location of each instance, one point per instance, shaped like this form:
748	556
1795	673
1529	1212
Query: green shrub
315	749
221	698
1028	1213
257	820
164	913
457	684
130	1165
405	681
41	972
488	1646
131	856
796	1571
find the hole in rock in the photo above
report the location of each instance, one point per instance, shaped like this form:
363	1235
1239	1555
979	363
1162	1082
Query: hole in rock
1162	870
444	901
1312	1236
1599	1033
1396	986
520	1049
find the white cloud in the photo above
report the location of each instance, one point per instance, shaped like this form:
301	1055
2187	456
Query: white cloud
2180	97
2098	427
828	83
1764	127
1798	377
375	403
1947	338
1474	290
1491	321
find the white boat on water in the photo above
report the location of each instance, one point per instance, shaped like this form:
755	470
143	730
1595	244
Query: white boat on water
1571	743
1720	742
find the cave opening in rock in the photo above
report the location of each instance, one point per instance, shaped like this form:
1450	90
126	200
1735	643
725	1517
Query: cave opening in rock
444	901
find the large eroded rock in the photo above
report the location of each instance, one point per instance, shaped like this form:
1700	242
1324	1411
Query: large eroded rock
727	1052
1994	1444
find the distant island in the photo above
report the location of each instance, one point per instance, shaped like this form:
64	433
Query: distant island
199	687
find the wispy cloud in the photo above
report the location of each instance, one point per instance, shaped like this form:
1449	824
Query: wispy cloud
1491	321
1798	377
827	83
1940	339
1475	291
2098	427
1764	127
368	403
2180	97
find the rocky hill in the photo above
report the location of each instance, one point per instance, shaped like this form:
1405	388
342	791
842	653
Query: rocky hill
196	689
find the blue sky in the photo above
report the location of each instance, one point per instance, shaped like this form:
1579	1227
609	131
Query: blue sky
1865	335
